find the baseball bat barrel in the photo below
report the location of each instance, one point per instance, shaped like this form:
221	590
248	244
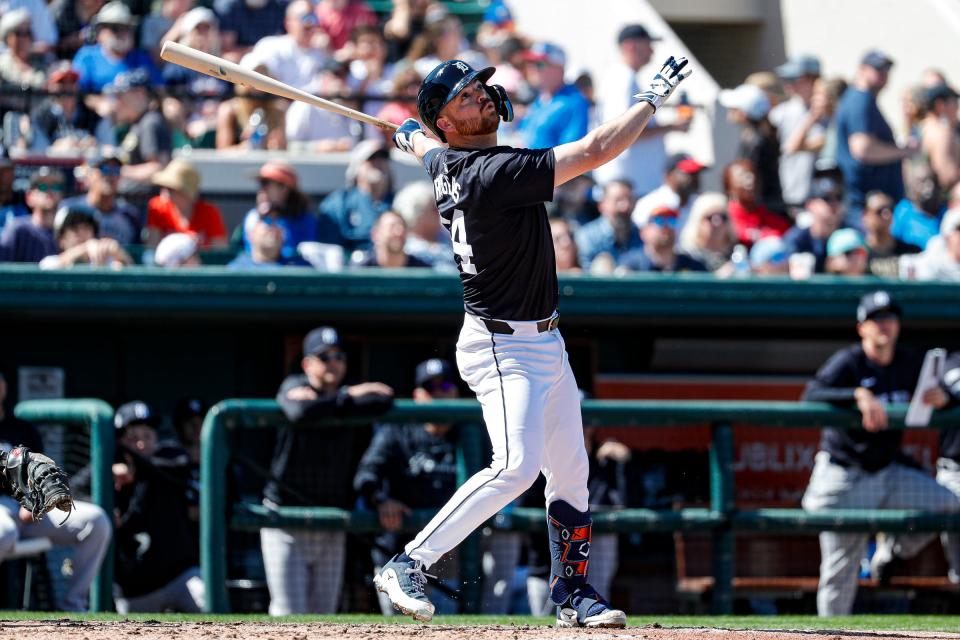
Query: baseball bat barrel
231	72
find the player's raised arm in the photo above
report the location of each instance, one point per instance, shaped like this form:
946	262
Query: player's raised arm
613	137
411	137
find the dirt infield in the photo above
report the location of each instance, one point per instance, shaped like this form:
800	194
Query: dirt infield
140	630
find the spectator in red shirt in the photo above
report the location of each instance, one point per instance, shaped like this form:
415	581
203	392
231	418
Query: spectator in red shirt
340	17
178	209
751	219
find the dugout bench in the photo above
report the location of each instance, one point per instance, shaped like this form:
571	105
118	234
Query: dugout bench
722	519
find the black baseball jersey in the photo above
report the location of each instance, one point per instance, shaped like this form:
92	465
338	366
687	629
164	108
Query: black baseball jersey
950	438
836	381
491	202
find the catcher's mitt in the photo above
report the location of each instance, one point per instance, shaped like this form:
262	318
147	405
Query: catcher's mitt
35	481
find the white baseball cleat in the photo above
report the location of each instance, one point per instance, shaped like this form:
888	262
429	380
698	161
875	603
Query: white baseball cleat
403	580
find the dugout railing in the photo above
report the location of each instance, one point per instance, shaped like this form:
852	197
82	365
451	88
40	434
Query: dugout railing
722	518
97	417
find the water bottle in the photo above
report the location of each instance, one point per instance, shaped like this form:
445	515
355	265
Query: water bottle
258	123
741	262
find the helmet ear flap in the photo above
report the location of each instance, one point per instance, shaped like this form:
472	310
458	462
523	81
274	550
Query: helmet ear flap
502	102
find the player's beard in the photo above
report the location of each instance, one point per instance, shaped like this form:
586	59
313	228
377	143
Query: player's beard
484	124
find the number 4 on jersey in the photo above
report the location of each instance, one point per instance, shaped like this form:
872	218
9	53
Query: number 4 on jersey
458	233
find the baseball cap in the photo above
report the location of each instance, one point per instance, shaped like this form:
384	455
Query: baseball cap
950	222
127	81
45	175
60	71
875	303
175	249
320	340
498	14
13	19
546	52
747	98
825	188
75	215
278	171
844	240
179	175
434	368
877	59
799	66
135	412
195	17
634	32
768	250
684	162
938	92
116	12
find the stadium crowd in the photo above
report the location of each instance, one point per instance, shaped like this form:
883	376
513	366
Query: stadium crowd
819	183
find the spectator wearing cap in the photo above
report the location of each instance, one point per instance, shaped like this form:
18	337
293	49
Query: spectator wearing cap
916	218
846	253
940	261
87	530
177	250
148	144
801	124
824	212
681	183
113	53
347	215
769	256
58	124
389	239
659	251
179	208
12	203
708	235
339	19
280	199
412	466
560	113
118	219
883	249
156	553
76	231
865	467
751	218
616	89
748	107
298	55
612	234
304	568
43	29
497	25
243	23
940	134
866	150
265	239
18	66
30	238
426	237
74	24
315	130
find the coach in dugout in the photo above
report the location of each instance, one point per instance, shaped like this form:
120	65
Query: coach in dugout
314	467
865	468
948	464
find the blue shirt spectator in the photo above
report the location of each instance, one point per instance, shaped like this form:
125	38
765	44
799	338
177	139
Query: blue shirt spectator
879	165
613	232
296	229
113	52
560	114
243	23
913	225
638	260
31	238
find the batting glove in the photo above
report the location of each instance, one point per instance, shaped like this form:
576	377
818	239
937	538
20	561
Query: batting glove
665	82
403	136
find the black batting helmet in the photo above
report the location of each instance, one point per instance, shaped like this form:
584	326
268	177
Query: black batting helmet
441	86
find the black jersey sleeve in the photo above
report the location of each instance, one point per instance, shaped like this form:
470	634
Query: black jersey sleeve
836	380
518	177
951	377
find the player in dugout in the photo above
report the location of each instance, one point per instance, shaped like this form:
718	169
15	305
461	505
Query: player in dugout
866	468
491	200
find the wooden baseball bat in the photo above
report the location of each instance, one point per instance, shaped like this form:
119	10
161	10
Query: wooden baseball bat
231	72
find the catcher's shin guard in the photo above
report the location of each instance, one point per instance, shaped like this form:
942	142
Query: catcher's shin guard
570	534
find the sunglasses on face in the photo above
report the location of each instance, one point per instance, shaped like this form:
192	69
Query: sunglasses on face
49	187
332	356
443	386
664	221
25	33
717	219
854	252
831	197
885	210
109	170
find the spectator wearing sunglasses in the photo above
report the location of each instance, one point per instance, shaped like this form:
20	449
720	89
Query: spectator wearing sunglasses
883	248
30	238
304	568
709	235
411	466
266	238
823	215
118	219
659	253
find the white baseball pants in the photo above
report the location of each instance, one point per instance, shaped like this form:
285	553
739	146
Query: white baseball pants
531	406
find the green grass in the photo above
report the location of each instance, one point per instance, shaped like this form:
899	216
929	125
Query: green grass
865	622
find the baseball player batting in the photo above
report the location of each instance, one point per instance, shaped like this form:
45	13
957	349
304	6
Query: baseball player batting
491	200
